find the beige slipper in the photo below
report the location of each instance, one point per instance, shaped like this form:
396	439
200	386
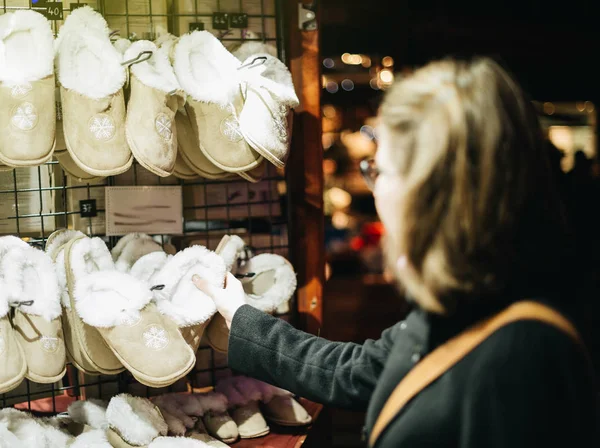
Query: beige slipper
201	434
150	124
119	308
91	76
209	74
30	285
131	248
221	426
182	170
284	410
13	366
28	111
255	175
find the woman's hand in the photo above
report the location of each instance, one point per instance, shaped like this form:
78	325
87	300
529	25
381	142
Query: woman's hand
228	300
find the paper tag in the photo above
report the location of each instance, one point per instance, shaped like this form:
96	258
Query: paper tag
238	20
153	210
220	21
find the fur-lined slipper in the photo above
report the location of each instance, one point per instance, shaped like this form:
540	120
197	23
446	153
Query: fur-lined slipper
33	432
200	434
273	283
209	74
280	407
133	421
131	248
119	307
149	265
230	248
28	112
265	120
180	442
13	366
91	76
30	285
182	169
255	175
251	48
86	348
72	169
243	395
58	239
150	125
90	412
177	297
122	44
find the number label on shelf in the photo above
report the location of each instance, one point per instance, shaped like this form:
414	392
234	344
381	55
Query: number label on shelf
87	208
238	20
54	10
196	26
220	21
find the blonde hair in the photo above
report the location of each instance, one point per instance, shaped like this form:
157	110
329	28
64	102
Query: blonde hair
480	215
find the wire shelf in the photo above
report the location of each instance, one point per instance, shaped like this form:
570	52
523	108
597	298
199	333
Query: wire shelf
34	202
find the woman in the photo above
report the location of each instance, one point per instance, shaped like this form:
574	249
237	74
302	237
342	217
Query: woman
464	189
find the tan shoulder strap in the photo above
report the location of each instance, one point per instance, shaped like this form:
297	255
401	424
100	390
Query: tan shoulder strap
445	356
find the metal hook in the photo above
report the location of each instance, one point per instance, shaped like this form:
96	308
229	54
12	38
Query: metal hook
247	275
114	33
20	304
143	56
263	59
157	288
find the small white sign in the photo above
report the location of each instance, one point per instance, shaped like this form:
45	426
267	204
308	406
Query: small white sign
154	210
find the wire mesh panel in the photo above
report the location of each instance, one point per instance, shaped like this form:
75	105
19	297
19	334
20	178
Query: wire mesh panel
34	202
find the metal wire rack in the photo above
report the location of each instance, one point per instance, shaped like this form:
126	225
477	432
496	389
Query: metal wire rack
34	202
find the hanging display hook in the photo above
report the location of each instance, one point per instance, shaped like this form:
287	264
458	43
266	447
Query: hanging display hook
143	56
253	63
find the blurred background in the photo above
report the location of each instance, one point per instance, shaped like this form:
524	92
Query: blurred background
365	45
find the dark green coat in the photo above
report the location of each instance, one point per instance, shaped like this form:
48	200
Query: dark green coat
525	386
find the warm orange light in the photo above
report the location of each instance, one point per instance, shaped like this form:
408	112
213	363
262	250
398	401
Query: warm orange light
387	61
346	58
386	76
549	108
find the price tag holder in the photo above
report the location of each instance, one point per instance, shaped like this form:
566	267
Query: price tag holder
196	26
238	20
74	6
87	208
220	21
53	10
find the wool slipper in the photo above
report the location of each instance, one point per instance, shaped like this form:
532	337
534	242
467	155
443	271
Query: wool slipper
119	307
150	125
243	395
146	267
209	74
13	366
252	48
86	348
221	426
177	297
58	239
280	407
33	432
265	120
133	421
30	285
256	174
72	169
134	247
273	281
182	170
91	76
200	433
90	412
28	112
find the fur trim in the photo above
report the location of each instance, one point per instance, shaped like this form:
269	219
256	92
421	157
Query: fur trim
10	242
59	239
205	69
251	48
89	412
89	255
239	390
135	419
176	426
275	77
86	61
134	251
166	45
61	278
91	439
149	265
165	39
180	299
230	252
172	404
26	47
29	275
156	72
212	402
122	45
284	286
33	433
177	442
110	298
7	438
269	392
124	241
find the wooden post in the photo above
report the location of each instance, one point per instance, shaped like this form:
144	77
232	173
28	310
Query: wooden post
305	172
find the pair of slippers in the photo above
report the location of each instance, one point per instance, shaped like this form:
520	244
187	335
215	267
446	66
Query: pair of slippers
112	319
32	343
252	404
129	421
238	107
27	99
21	430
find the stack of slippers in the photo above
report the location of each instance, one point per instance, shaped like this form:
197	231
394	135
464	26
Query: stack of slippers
129	421
28	113
32	343
252	403
268	279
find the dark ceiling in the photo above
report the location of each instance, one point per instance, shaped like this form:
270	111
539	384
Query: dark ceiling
552	48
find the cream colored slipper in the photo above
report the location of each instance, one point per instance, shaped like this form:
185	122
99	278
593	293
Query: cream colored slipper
131	248
13	366
178	299
221	426
284	410
255	175
32	432
265	120
72	169
28	111
119	307
91	76
182	170
200	434
30	285
150	125
243	395
209	74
